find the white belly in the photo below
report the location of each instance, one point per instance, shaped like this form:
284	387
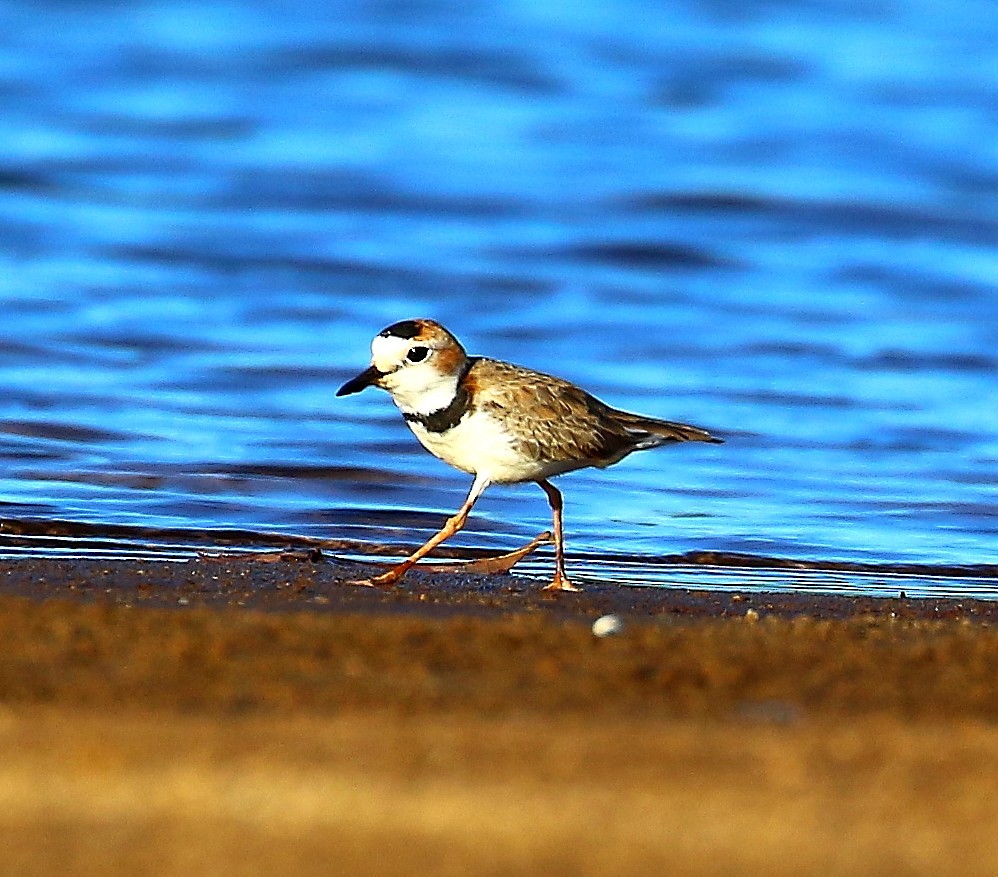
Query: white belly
479	446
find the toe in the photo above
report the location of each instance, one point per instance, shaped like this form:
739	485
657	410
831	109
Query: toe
561	583
384	580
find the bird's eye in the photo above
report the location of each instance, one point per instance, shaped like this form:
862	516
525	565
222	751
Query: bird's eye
417	354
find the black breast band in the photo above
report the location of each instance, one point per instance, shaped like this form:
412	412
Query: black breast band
443	418
446	418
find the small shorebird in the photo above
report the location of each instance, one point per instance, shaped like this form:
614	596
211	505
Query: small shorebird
501	423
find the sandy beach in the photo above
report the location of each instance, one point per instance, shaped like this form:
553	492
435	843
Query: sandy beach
234	716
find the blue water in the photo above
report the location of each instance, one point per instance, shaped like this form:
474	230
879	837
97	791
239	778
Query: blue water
775	220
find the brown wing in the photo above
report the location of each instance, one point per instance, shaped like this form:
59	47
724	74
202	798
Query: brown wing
554	421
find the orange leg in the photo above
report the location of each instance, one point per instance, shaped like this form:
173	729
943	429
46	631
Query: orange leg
561	582
452	526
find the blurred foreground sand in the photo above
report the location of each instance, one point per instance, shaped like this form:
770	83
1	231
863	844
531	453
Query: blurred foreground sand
406	739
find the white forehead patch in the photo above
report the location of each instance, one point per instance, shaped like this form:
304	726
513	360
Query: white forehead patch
387	352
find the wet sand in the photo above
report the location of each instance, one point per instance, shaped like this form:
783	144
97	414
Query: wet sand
239	717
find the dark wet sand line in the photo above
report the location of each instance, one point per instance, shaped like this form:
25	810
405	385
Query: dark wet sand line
58	534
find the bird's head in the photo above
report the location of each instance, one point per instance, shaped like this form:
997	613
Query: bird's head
418	361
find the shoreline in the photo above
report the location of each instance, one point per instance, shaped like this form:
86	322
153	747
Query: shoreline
299	582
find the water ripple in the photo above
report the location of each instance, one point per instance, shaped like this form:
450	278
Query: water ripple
729	217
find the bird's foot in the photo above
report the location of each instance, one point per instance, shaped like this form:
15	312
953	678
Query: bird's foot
505	562
489	565
385	580
560	583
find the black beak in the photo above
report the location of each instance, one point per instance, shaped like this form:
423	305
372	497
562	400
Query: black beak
366	378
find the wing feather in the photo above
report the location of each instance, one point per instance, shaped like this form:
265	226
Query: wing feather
555	422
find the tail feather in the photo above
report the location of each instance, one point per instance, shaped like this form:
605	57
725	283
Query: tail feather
651	432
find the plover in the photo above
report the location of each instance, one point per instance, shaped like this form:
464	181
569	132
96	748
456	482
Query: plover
501	423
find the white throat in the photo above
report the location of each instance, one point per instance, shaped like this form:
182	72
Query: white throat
421	389
418	387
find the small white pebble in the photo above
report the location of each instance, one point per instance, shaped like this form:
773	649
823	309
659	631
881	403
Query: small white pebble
608	625
183	601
